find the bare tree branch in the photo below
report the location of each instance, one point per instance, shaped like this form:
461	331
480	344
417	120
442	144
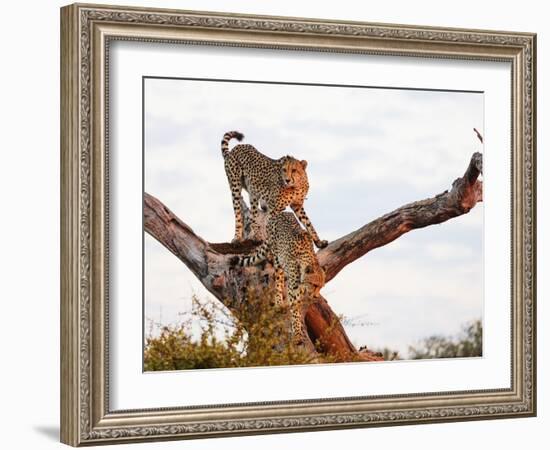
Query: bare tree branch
210	262
463	196
176	236
479	136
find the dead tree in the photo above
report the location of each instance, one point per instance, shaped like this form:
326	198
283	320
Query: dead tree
210	262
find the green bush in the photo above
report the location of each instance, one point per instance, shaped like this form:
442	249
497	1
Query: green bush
469	343
258	338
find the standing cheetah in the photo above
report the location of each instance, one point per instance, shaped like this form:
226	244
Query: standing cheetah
295	261
273	183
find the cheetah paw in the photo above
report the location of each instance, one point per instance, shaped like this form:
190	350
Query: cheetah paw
321	244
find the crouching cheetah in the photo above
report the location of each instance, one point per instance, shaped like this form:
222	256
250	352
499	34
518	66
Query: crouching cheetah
273	183
294	259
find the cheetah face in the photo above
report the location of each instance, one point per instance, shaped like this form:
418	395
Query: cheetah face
294	173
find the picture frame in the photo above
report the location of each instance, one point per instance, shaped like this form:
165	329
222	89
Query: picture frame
87	33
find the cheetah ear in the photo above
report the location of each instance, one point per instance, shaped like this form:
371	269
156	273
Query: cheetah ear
303	162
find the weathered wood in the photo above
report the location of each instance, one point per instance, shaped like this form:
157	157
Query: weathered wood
462	197
175	235
210	262
324	325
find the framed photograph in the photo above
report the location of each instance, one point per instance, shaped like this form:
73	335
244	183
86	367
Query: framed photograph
275	224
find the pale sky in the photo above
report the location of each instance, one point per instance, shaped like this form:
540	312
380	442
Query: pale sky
369	151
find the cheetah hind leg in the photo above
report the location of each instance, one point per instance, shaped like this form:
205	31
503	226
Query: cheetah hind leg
236	196
256	232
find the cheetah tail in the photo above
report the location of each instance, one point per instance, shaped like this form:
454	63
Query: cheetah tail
227	137
259	255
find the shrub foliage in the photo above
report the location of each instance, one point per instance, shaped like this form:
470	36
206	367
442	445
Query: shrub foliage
259	337
211	337
469	343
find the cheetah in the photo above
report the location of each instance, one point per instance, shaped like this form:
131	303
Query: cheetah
294	259
272	183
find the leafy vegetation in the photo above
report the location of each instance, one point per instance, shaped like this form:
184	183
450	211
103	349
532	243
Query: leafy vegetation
469	343
256	339
210	337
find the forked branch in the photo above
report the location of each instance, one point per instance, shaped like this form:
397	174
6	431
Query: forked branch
210	263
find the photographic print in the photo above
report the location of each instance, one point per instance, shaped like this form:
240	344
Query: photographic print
298	204
289	223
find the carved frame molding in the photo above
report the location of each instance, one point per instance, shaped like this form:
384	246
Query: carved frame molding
86	31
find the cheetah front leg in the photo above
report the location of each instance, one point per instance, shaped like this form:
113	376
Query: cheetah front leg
299	331
301	213
295	298
279	285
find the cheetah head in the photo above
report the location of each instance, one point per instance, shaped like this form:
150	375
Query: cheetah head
293	172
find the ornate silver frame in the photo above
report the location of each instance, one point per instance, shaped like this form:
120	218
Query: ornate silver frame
86	31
